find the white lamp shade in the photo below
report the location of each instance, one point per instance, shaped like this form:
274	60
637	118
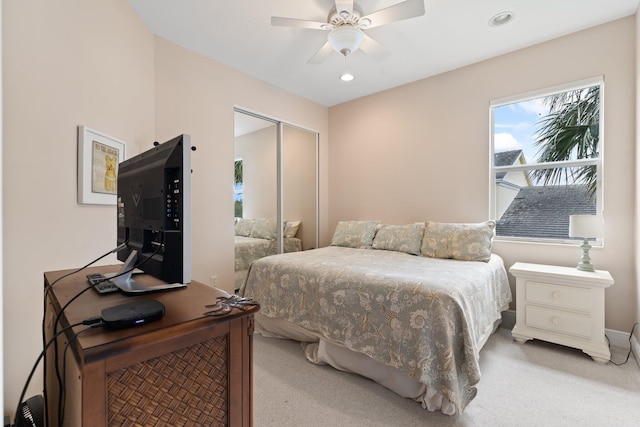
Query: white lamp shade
346	39
586	226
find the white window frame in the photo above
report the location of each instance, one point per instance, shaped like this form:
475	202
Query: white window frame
598	162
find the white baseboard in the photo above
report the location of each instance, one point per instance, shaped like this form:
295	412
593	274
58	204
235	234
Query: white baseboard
626	341
617	338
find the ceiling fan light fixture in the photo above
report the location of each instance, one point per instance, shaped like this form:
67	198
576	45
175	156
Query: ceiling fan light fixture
345	39
501	18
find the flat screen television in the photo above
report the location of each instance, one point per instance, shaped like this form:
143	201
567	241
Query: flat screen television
154	214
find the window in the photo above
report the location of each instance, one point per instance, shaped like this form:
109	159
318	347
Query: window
238	188
546	161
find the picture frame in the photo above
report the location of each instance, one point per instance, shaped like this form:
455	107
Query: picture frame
98	158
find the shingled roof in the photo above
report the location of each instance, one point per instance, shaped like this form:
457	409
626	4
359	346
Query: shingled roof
505	158
543	212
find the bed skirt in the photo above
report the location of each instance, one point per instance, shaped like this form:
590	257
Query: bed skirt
318	350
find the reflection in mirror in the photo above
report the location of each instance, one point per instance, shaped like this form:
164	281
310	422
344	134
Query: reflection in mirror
255	190
238	187
256	150
299	173
260	150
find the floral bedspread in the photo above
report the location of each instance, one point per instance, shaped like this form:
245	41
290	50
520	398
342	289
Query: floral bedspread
423	316
249	249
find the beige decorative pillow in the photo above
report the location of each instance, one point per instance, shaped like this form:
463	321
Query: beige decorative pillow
468	242
354	234
401	238
244	226
291	228
264	229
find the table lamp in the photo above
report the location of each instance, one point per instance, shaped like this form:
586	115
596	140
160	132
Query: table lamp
585	227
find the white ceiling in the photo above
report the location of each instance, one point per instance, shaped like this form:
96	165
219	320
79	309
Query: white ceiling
451	34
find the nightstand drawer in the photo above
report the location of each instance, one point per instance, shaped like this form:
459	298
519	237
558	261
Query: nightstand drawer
558	321
559	296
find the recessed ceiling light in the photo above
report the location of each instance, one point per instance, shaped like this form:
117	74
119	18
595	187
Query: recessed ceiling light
501	19
347	77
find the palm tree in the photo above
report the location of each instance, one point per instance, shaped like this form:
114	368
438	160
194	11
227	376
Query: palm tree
570	129
237	173
237	179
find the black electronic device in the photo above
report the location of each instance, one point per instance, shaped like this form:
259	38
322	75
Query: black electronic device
132	314
101	283
108	282
154	213
31	413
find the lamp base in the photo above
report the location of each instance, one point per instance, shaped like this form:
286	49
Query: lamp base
585	267
585	261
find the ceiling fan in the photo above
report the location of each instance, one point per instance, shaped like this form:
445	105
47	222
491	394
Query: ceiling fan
346	23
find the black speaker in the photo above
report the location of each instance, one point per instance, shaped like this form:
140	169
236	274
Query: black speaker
31	412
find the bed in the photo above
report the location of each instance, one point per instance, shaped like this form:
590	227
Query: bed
249	249
256	238
407	306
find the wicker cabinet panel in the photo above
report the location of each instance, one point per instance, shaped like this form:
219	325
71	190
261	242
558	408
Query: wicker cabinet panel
184	388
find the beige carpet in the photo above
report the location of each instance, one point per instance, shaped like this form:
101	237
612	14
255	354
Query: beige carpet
534	384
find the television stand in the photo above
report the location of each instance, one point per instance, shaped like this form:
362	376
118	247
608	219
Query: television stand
184	369
127	285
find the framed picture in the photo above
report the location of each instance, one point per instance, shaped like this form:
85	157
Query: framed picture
98	158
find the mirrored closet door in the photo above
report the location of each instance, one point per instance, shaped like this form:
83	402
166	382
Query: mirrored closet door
299	174
275	189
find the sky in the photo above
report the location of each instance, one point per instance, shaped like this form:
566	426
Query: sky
515	127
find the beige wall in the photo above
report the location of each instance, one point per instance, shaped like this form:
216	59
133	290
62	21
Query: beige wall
73	62
636	338
436	132
66	63
1	235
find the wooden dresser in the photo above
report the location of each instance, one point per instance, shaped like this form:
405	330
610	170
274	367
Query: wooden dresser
185	369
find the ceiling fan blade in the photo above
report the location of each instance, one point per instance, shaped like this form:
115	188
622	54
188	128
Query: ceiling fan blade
344	5
321	54
278	21
405	10
374	49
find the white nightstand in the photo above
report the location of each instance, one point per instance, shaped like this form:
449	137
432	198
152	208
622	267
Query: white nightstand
562	305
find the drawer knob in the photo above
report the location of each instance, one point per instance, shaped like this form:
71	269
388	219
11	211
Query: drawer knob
556	295
555	320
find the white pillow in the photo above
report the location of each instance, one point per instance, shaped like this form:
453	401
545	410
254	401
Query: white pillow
468	242
354	234
264	229
400	238
244	226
